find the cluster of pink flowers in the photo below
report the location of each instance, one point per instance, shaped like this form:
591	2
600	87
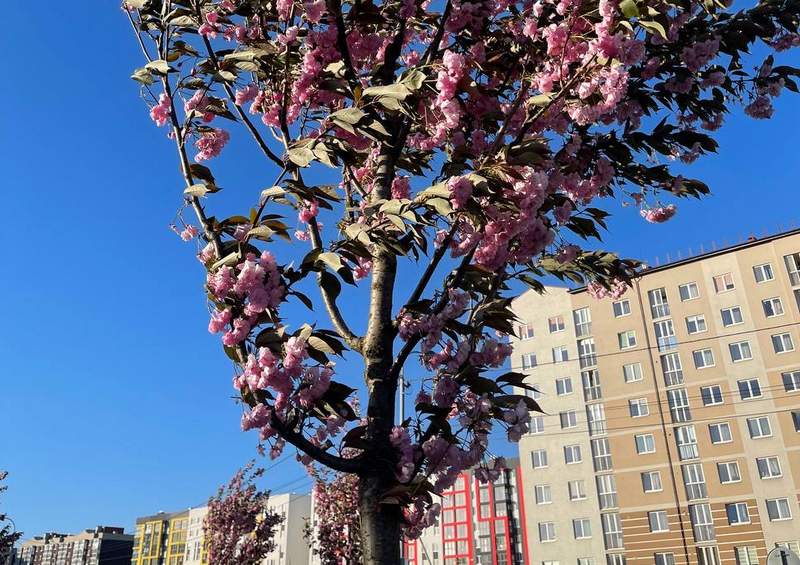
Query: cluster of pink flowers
210	144
401	188
401	441
460	191
199	103
658	214
188	233
160	112
615	292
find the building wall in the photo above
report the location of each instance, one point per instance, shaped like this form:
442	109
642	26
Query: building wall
479	524
100	546
660	424
291	547
196	552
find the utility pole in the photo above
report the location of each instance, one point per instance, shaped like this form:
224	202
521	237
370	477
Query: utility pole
401	388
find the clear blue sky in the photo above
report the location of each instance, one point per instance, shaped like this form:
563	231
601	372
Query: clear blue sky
114	400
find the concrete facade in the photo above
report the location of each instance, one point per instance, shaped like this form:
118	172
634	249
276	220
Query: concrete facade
291	547
687	399
102	545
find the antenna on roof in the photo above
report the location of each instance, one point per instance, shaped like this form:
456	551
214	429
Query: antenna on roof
713	246
679	255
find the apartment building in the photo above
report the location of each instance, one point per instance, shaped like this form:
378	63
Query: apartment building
672	425
102	545
177	538
479	524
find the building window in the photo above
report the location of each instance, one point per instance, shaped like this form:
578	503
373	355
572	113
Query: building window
577	490
539	459
583	322
621	308
740	351
791	381
638	407
664	558
627	339
778	509
769	468
665	335
679	405
672	369
723	283
720	432
563	386
569	419
645	443
659	307
606	491
547	532
601	454
555	324
731	316
525	331
536	425
560	354
586	353
796	420
711	395
543	494
658	521
651	481
686	439
632	372
702	522
763	272
584	561
793	267
695	481
529	361
582	528
729	472
749	389
746	555
773	307
703	358
688	291
591	385
782	343
596	416
572	454
708	555
534	391
696	324
612	531
737	513
759	427
615	559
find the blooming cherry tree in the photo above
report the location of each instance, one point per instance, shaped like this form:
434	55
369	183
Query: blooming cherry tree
475	141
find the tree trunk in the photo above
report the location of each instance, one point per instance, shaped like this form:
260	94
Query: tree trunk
380	523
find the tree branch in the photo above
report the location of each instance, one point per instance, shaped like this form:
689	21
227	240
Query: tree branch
302	443
431	268
355	342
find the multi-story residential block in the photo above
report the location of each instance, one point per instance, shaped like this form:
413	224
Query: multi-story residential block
102	545
479	524
177	538
672	425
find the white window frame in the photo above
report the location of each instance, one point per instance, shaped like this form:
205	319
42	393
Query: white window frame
672	368
632	372
686	440
638	407
569	419
601	454
791	381
666	340
626	339
679	408
596	417
659	304
621	308
576	490
582	318
723	282
731	311
654	478
705	354
729	472
644	443
696	324
792	262
773	305
694	480
745	555
740	351
547	532
585	527
769	467
564	386
714	395
692	291
612	531
543	494
526	332
720	426
560	354
702	522
658	521
606	491
540	456
573	454
763	272
780	507
737	513
783	339
555	324
749	389
664	558
757	424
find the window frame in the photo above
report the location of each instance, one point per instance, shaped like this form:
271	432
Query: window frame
729	465
688	286
702	352
559	325
753	392
647	448
727	280
622	303
564	391
658	514
760	268
720	426
777	506
628	335
742	347
714	391
637	373
737	513
768	467
792	383
772	302
787	335
696	319
650	475
759	419
730	310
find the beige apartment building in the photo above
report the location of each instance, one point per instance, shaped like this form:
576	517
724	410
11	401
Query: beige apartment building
672	425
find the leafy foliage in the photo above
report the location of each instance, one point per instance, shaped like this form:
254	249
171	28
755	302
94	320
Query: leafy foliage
8	535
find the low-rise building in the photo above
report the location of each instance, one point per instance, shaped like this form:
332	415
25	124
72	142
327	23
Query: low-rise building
102	545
